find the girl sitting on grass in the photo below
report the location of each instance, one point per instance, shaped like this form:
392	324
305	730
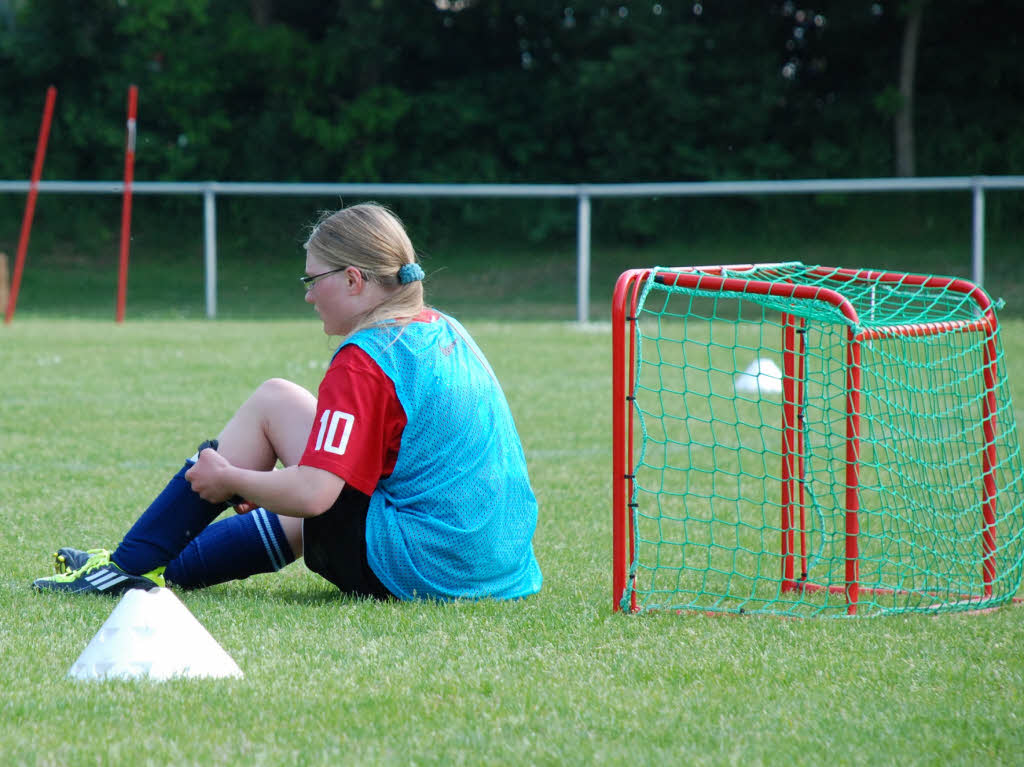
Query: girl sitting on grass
404	477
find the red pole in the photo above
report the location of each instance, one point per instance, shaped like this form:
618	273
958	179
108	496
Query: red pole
801	332
619	500
30	205
634	303
624	304
989	460
126	204
853	413
789	447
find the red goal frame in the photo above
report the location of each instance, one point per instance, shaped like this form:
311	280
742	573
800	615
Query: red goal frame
628	290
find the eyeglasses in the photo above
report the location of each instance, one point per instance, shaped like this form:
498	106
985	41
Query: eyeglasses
308	281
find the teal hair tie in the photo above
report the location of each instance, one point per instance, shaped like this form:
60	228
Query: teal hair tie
410	273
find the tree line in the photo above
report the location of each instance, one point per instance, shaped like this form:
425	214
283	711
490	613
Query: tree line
524	91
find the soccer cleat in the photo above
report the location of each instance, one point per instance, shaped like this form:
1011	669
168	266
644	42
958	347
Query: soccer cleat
99	576
67	560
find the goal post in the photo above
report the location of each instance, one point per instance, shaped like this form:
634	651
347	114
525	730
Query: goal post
807	440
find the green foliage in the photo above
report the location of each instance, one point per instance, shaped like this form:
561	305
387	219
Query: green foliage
499	91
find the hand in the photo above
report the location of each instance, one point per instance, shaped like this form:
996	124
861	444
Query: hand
209	476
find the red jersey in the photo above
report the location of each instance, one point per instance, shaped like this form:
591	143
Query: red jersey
359	421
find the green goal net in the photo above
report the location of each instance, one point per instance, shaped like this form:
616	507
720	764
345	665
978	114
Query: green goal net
805	440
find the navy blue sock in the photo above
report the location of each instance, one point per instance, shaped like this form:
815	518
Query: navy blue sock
232	549
174	518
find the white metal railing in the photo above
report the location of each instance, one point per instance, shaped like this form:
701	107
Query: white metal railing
583	193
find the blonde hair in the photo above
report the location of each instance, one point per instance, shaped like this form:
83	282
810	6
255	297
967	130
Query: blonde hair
371	238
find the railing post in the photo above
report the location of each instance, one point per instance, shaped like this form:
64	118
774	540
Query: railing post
978	233
582	257
210	249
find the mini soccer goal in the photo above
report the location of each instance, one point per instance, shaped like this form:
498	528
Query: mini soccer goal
806	440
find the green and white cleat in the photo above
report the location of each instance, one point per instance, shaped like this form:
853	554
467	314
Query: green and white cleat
99	575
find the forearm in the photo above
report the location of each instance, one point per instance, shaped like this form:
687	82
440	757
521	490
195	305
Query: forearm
295	491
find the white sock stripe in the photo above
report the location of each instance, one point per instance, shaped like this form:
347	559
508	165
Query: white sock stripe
257	520
274	540
269	540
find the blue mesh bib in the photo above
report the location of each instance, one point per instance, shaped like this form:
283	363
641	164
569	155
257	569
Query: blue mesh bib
457	515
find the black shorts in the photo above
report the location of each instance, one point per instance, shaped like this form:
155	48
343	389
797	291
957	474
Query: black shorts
334	546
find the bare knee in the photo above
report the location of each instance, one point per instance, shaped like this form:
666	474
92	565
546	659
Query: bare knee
278	396
286	412
272	425
283	390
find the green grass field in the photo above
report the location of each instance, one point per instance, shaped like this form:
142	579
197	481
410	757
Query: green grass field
95	417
